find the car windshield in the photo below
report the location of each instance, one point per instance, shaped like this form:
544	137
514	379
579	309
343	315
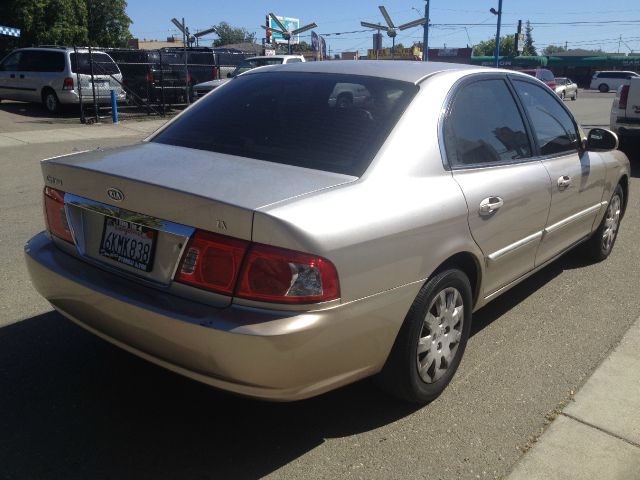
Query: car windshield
253	63
102	64
296	119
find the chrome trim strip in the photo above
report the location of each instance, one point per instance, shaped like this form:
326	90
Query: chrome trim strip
576	216
514	246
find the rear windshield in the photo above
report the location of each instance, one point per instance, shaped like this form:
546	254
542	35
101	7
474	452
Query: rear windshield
256	62
102	64
326	122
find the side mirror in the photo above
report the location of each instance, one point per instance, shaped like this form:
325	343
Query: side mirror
601	140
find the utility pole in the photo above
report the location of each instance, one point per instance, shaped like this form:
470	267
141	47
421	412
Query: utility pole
499	14
425	36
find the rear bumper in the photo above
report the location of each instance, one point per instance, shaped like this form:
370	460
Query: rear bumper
102	97
254	352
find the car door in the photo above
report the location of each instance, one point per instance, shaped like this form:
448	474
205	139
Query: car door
8	74
577	177
507	190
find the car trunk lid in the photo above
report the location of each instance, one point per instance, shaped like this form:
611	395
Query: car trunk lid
633	99
159	194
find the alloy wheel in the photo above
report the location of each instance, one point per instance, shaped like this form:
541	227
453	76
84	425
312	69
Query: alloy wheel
611	223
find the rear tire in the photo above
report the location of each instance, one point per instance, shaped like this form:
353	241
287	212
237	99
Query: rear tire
603	87
600	245
575	96
50	101
431	341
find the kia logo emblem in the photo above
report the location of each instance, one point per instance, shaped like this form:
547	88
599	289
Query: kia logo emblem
115	194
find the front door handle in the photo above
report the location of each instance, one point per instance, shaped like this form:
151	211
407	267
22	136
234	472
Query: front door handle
490	205
564	182
21	76
13	75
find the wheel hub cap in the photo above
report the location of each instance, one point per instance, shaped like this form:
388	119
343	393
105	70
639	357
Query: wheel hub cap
440	335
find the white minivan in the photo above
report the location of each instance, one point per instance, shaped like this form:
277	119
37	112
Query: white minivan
59	75
610	80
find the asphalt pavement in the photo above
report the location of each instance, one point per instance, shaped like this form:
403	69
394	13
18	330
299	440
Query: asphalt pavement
74	406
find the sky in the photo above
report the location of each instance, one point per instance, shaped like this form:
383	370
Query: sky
612	26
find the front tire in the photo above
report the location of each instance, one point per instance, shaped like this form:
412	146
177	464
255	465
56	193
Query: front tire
431	341
575	96
599	246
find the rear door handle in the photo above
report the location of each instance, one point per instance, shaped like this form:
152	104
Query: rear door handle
490	205
13	75
21	76
564	182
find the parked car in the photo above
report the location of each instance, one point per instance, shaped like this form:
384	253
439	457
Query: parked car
625	109
543	75
247	64
289	246
610	80
566	88
55	75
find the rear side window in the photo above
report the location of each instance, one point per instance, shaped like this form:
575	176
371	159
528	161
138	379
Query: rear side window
42	61
553	126
479	134
102	64
294	118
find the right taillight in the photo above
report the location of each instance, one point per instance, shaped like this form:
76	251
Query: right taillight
67	84
256	272
56	216
279	275
624	95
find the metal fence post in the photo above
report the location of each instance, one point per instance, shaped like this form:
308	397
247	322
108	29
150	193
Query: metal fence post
75	56
93	86
114	107
162	83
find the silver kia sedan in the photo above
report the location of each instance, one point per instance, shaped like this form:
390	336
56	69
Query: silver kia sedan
274	244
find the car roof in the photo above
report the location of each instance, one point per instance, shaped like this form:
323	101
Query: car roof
408	71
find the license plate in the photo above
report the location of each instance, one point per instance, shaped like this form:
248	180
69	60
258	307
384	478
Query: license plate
128	243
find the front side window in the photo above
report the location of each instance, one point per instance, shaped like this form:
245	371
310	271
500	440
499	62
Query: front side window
12	62
296	119
553	127
484	126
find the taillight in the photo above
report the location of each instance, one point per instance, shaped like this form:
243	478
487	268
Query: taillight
56	216
212	262
552	85
149	76
214	72
624	95
67	84
279	275
256	272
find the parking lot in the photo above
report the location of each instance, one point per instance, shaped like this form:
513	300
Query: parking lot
73	406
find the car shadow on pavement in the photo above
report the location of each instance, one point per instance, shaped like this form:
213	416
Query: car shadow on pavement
497	308
75	407
33	111
631	146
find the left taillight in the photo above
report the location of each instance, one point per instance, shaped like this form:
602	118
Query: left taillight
212	262
68	84
55	215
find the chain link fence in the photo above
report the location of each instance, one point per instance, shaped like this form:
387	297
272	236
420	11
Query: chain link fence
144	82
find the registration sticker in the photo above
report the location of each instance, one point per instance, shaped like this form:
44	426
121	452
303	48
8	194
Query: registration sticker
128	243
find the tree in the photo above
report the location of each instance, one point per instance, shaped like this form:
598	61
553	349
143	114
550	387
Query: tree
529	49
552	49
229	35
49	22
108	23
66	22
488	47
